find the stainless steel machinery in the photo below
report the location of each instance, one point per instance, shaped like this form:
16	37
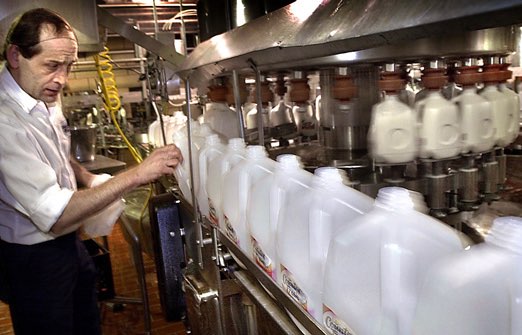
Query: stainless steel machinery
341	46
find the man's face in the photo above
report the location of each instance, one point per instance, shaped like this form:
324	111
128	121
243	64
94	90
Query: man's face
44	75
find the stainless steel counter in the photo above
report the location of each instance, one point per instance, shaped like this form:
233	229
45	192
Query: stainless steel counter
103	164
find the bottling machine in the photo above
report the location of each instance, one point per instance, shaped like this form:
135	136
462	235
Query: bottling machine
327	63
339	56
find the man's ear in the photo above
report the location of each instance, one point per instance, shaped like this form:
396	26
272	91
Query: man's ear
13	56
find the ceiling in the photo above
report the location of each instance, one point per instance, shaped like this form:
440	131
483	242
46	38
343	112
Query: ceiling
148	17
162	17
155	20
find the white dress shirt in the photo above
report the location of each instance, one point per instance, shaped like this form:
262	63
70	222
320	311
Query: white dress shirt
36	177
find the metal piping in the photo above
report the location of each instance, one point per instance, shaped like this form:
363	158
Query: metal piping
259	106
197	220
237	101
155	16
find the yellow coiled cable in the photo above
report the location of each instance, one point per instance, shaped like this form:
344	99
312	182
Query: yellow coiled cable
111	96
112	103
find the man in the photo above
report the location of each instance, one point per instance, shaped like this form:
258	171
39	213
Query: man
48	273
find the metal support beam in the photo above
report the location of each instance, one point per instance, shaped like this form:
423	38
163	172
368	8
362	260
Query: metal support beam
168	53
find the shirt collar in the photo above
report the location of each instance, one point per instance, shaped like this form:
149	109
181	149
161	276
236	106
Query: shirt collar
12	88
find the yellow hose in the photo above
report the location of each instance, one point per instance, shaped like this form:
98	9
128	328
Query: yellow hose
111	96
112	103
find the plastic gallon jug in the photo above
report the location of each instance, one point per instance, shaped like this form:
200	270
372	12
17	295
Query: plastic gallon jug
392	134
438	129
175	123
200	136
217	168
514	106
478	291
222	119
237	184
305	119
152	132
377	264
182	171
503	115
281	114
477	127
155	132
251	121
267	197
213	148
303	239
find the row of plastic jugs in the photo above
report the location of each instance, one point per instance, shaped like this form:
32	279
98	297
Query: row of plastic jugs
356	265
438	128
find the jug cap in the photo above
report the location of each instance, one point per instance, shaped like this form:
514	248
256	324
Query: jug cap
506	233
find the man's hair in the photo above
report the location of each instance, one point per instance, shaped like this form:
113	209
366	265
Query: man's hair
25	31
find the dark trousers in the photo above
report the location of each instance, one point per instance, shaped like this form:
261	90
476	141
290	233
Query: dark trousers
51	287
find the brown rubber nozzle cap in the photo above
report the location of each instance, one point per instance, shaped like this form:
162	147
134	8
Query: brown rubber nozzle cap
492	73
217	93
434	79
300	90
344	88
468	75
391	82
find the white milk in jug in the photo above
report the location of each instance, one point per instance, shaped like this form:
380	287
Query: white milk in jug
438	119
438	127
392	134
478	291
478	129
514	105
377	264
502	114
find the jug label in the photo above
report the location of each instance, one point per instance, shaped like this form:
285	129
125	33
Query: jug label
231	233
212	213
292	288
262	259
333	324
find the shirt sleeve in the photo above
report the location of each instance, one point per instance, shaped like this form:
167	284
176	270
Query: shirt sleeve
26	170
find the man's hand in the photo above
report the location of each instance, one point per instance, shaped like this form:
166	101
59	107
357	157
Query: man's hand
161	162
